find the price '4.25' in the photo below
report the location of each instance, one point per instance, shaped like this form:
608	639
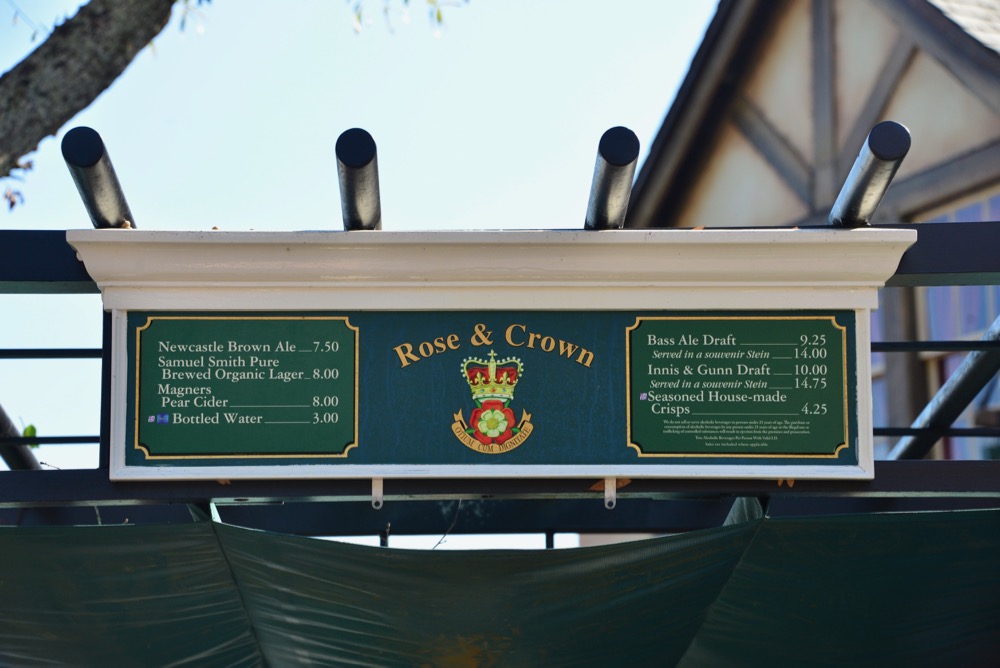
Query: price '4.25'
813	409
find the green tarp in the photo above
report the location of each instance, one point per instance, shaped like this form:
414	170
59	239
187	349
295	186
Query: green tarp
904	589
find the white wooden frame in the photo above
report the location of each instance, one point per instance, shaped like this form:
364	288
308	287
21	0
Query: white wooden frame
662	270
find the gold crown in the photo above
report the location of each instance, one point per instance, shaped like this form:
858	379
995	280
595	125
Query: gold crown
492	379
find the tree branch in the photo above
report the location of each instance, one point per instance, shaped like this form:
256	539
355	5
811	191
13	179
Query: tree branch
17	457
79	60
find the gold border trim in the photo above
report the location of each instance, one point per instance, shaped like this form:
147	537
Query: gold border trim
138	370
683	455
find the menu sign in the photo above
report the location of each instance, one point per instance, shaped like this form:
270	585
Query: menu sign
225	386
489	393
738	386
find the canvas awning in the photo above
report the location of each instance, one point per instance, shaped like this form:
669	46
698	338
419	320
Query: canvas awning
892	589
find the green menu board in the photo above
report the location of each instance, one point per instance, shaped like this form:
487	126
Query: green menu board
488	393
232	386
739	386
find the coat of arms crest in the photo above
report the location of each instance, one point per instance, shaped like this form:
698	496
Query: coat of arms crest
492	428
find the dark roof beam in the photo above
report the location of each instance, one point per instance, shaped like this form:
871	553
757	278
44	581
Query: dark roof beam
824	100
978	67
877	100
709	76
778	152
972	171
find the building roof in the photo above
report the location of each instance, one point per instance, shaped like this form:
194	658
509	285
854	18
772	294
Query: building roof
964	35
978	18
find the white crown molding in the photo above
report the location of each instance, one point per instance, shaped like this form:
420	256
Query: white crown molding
559	270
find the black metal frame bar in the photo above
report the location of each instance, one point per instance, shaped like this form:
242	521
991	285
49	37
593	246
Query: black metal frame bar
51	353
484	516
41	262
905	478
49	440
932	346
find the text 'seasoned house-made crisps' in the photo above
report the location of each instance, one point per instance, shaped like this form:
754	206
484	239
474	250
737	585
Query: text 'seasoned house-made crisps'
555	354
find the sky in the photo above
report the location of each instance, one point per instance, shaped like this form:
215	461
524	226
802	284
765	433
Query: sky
489	121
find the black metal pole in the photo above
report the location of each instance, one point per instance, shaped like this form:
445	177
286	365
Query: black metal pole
95	179
357	171
866	184
955	395
383	535
617	155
